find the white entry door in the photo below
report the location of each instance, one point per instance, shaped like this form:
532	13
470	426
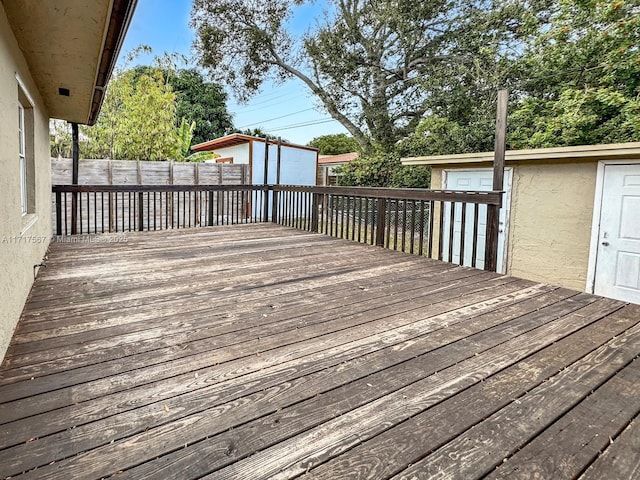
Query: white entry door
617	272
476	179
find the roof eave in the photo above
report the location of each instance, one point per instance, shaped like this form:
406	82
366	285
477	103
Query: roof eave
121	15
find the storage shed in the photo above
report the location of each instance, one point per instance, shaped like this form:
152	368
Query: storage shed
298	163
570	216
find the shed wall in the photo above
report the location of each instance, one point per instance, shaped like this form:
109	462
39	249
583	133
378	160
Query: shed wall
551	214
239	153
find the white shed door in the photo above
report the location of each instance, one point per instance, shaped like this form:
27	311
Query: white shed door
476	179
618	258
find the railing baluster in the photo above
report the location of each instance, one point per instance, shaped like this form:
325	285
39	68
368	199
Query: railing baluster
381	209
431	224
359	218
111	214
366	220
141	211
463	218
388	225
102	207
395	231
300	209
404	224
79	212
452	217
421	240
474	248
413	226
353	221
441	232
95	211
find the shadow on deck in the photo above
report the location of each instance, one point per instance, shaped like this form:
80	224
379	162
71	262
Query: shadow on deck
259	351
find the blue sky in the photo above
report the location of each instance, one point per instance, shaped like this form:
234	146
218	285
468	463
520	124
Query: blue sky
164	26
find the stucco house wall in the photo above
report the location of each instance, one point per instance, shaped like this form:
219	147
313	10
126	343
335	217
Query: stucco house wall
23	239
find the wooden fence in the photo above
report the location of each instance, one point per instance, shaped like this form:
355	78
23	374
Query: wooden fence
114	210
128	172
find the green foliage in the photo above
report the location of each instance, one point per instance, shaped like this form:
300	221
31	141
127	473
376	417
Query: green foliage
439	136
583	83
201	102
137	120
335	144
253	132
60	139
185	134
383	169
199	157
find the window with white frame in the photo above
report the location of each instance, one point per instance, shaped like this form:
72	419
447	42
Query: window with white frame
26	152
22	155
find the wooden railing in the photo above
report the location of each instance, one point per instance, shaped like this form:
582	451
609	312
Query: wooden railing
83	209
447	225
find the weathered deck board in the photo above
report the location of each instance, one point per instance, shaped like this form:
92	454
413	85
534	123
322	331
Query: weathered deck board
258	351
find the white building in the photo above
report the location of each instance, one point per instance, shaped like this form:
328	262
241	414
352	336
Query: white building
298	164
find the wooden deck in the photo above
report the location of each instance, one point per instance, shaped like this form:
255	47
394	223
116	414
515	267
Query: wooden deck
259	351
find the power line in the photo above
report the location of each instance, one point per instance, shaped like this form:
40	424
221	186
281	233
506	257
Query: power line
300	125
275	118
267	104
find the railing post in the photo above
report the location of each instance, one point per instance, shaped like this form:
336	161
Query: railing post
210	209
140	211
493	211
75	153
58	213
315	207
381	205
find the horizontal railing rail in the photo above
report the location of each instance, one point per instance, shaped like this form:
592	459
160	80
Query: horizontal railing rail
480	197
443	224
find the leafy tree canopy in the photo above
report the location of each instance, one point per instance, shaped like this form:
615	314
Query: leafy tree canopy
373	66
137	120
582	79
334	144
202	102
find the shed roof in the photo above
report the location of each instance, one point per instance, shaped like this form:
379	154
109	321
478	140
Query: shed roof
239	139
337	159
576	153
71	45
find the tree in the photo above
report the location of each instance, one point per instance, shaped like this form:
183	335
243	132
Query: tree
334	144
369	64
583	83
201	102
60	138
137	120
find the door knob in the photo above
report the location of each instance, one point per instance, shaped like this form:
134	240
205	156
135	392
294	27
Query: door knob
606	244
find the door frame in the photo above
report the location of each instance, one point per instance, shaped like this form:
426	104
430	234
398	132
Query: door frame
597	215
506	200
